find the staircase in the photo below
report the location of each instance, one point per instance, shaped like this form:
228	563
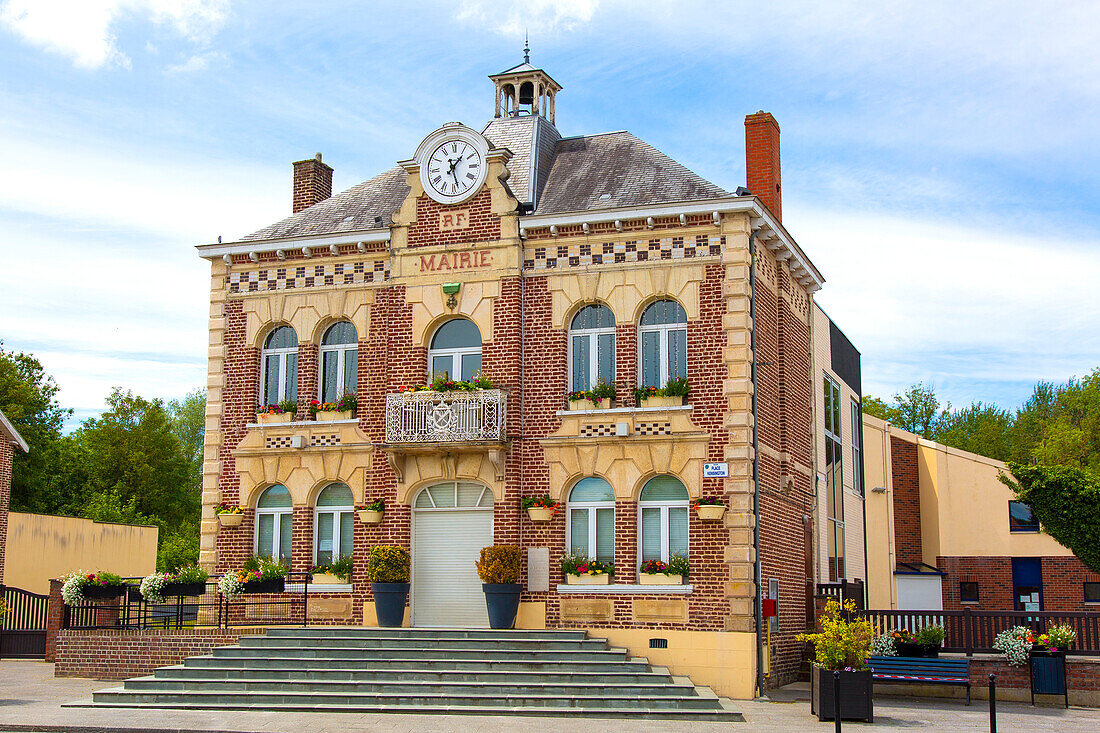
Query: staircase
467	671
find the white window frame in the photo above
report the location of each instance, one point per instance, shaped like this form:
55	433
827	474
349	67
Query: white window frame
336	511
836	529
282	353
666	527
857	464
456	507
276	529
591	506
341	351
593	337
456	355
662	330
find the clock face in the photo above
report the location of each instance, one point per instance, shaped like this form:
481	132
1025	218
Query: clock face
455	170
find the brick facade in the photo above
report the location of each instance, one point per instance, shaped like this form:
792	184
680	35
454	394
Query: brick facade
312	183
1063	583
109	654
906	478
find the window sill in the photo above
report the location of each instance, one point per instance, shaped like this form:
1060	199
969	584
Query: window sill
623	410
970	603
319	588
623	589
300	423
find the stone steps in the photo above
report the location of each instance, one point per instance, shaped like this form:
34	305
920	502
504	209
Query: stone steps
459	671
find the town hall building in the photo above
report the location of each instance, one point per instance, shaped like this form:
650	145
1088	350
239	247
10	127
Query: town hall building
541	271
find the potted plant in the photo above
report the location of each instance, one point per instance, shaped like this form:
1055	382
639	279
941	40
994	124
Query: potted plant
539	508
342	409
656	572
80	586
444	384
499	569
187	581
1047	661
710	508
930	638
672	394
336	572
258	575
282	412
229	515
580	570
842	646
1015	644
600	397
388	570
372	513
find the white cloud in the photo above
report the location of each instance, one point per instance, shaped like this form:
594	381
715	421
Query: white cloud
84	30
198	62
513	17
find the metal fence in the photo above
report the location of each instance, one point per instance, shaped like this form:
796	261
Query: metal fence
211	609
23	627
969	631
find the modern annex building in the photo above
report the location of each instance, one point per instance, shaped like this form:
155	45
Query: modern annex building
547	264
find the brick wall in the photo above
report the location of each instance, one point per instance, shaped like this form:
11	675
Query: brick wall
312	183
762	170
1063	583
1082	680
111	654
7	456
906	479
484	225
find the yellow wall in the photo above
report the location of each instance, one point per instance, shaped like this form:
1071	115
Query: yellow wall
880	527
41	547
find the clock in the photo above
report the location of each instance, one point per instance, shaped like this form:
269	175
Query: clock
453	163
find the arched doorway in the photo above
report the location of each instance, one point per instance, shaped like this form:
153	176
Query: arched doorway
452	521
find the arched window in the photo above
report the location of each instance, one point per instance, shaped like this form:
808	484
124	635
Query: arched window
663	340
591	348
333	527
663	506
339	361
455	351
455	494
280	366
273	523
591	525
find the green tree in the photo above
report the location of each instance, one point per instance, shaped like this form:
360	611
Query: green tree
875	407
917	410
28	396
1066	500
1060	425
983	429
188	418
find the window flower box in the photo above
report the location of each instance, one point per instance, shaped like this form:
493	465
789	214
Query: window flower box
655	401
326	415
265	418
327	579
659	579
587	404
588	579
672	394
710	510
274	585
230	520
370	516
540	513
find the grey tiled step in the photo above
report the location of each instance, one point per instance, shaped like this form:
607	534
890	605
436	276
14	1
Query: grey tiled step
312	652
388	673
721	714
532	663
475	688
351	699
395	642
407	633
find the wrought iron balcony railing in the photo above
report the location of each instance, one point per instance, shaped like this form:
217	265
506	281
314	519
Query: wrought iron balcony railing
445	417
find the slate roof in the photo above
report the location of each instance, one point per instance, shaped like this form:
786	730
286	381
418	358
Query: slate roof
573	174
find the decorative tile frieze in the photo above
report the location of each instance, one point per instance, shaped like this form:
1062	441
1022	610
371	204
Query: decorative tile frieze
325	439
597	431
296	276
280	441
554	257
653	428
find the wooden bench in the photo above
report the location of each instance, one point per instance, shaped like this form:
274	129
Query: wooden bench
920	670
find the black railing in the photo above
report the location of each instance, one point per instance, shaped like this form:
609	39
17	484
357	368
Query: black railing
971	631
23	626
845	590
211	609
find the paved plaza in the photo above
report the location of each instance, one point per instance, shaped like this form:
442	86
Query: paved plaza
31	699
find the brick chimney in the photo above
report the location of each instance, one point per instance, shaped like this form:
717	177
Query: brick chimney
312	182
762	160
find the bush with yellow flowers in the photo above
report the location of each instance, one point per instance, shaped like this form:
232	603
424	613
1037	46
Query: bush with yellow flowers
842	644
499	564
388	564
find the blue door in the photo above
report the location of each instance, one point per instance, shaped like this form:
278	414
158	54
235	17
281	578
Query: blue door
1027	583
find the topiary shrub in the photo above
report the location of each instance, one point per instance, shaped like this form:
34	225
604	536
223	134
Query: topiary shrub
388	564
499	564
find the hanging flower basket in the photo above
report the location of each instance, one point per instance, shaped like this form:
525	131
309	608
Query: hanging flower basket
101	592
230	520
710	509
372	513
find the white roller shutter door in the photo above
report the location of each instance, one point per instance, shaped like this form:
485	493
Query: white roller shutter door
445	588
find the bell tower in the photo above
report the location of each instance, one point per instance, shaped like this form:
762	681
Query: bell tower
524	90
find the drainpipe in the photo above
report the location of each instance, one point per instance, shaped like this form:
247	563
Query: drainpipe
758	609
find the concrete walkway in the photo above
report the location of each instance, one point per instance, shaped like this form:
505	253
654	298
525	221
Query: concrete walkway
31	698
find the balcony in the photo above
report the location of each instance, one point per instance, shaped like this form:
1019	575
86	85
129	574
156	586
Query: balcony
445	417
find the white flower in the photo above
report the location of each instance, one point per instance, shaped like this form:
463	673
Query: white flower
1013	644
72	591
883	646
151	587
229	586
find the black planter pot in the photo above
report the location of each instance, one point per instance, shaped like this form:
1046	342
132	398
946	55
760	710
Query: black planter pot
276	585
100	592
912	649
183	589
502	602
856	695
1048	673
389	603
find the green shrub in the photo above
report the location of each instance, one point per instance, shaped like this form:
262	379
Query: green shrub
932	635
677	388
677	565
191	574
604	390
841	644
340	567
388	564
499	564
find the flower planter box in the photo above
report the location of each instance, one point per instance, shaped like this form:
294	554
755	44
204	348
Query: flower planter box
1048	674
711	512
540	514
656	401
370	516
856	695
282	417
102	592
328	579
590	405
919	651
659	579
323	415
230	520
586	579
277	585
183	589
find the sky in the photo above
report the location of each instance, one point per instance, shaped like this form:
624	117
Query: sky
940	163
